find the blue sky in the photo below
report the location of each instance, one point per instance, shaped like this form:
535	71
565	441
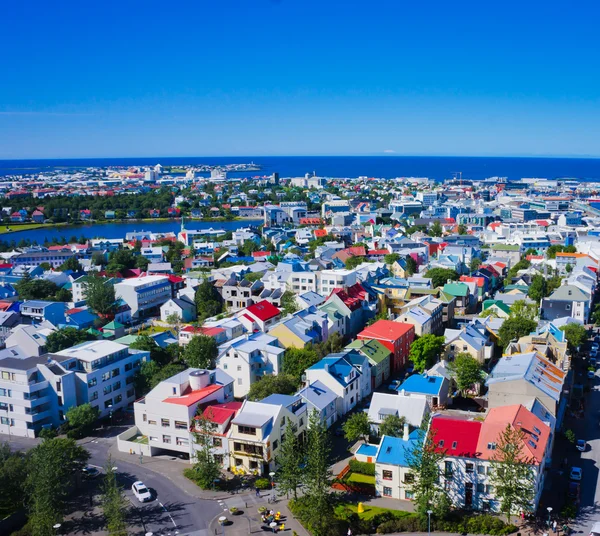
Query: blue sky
303	77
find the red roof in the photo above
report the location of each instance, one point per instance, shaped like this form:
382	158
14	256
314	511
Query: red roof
5	265
320	233
192	397
73	311
468	279
175	279
357	251
386	330
378	252
456	437
353	297
260	254
209	332
221	413
263	310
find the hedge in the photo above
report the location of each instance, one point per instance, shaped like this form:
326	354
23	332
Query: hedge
457	522
364	468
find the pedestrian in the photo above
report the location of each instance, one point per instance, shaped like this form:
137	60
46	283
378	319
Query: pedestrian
257	492
554	525
349	532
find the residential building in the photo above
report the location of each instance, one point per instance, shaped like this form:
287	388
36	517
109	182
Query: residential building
144	295
396	336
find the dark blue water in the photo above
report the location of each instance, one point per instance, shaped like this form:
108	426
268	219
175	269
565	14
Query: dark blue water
438	168
118	229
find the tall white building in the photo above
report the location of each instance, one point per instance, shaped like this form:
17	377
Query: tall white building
144	295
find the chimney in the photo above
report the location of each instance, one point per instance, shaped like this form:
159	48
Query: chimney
406	432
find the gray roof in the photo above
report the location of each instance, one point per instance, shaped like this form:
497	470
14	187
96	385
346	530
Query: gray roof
569	293
318	394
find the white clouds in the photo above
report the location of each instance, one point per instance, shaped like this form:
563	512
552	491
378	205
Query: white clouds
389	151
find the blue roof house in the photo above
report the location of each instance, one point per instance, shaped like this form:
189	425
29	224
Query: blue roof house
434	388
319	398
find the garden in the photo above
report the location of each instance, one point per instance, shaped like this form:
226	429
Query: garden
357	477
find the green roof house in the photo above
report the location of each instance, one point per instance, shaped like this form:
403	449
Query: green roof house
379	358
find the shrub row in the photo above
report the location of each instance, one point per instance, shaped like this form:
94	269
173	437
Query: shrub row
364	468
472	524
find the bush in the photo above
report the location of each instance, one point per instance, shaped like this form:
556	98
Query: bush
364	468
262	483
403	524
475	524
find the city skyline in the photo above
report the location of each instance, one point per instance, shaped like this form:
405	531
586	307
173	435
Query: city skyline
278	78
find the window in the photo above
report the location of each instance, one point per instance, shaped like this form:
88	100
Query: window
282	423
275	444
92	382
239	367
480	488
247	430
116	386
409	495
153	438
152	422
217	442
107	389
386	474
239	381
387	492
128	367
480	470
301	421
94	396
218	458
165	423
106	376
118	398
448	469
144	417
130	393
489	488
166	439
409	478
491	446
454	444
108	403
470	467
180	425
5	392
129	380
441	443
182	442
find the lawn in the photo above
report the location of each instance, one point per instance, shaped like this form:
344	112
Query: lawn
357	478
142	440
14	227
370	511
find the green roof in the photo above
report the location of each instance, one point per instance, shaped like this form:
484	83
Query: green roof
127	339
505	247
523	288
499	304
93	331
456	289
372	349
114	325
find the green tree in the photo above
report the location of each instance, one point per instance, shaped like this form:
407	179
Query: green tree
36	289
208	301
392	425
201	352
99	294
538	289
13	471
353	262
174	320
462	229
289	460
436	229
206	469
253	276
297	360
523	309
82	418
475	264
288	302
440	276
424	461
284	384
357	426
512	476
55	462
515	328
576	335
568	268
411	265
70	264
114	503
523	264
120	260
142	263
66	338
317	478
391	258
466	371
98	258
425	351
151	373
332	345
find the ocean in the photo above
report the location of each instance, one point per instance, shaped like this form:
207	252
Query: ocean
434	167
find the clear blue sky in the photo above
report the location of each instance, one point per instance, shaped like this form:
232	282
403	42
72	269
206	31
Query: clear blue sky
298	77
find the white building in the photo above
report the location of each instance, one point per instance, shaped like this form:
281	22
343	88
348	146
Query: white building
330	279
144	295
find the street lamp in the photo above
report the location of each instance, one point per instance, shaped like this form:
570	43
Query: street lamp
56	527
429	512
110	414
549	513
272	475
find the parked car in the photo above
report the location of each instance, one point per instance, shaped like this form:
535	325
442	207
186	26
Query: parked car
141	492
592	361
576	473
595	346
591	375
393	385
90	472
581	445
574	491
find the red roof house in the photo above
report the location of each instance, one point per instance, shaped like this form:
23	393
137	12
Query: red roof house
395	336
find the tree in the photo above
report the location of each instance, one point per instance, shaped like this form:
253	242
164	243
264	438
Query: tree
523	264
55	462
411	265
82	418
98	258
208	301
353	262
512	476
357	426
114	503
515	328
284	384
462	229
70	264
475	264
151	373
36	289
466	371
13	471
538	289
99	294
142	263
391	258
332	345
174	320
576	335
297	360
161	356
568	268
424	460
288	303
201	352
425	351
289	460
317	477
392	425
523	309
120	260
253	276
440	276
206	469
436	229
66	338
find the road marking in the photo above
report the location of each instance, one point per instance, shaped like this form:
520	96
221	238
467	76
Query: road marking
170	517
96	466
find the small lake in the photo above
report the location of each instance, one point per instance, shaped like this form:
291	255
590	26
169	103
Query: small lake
120	229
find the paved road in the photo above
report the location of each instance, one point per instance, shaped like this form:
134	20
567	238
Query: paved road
172	511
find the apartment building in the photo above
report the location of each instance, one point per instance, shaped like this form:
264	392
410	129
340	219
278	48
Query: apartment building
144	295
332	279
35	258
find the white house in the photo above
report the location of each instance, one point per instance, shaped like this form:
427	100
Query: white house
184	308
144	295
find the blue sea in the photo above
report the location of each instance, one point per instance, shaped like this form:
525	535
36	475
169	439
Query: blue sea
434	167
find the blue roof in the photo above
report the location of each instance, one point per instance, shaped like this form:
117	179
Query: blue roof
367	450
339	368
423	384
279	400
395	450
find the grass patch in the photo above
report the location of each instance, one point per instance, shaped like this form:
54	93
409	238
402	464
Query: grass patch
370	511
142	440
15	227
357	478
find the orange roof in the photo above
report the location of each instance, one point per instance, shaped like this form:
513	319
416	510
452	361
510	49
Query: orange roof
192	397
576	255
320	233
519	418
388	330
